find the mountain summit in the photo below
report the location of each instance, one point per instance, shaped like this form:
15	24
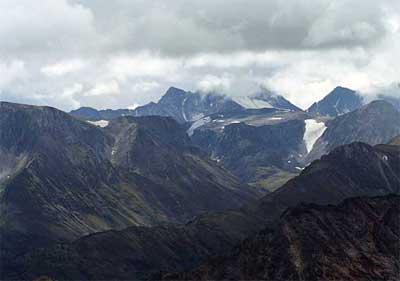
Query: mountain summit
340	101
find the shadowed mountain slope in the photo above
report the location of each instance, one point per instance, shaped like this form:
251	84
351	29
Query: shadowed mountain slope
356	240
339	101
62	178
352	170
375	123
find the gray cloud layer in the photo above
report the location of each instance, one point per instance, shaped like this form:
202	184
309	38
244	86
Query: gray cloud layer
119	53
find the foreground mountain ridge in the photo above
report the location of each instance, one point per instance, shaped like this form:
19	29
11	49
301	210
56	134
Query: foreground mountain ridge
356	240
352	170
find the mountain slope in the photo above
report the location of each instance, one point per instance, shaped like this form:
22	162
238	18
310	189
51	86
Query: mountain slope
356	240
250	152
394	100
339	101
264	147
62	178
134	253
375	123
357	169
159	149
351	170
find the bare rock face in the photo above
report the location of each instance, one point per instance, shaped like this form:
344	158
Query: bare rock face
356	240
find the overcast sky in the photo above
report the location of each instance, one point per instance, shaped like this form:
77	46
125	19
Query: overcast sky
120	53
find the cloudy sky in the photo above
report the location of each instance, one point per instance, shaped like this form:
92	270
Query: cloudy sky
120	53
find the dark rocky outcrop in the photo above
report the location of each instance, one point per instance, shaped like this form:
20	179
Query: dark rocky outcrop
356	240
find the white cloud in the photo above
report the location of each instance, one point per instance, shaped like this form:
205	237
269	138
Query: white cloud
143	64
133	106
72	90
12	71
145	86
63	67
214	84
104	88
123	53
51	27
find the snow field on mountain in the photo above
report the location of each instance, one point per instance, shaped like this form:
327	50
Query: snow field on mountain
313	132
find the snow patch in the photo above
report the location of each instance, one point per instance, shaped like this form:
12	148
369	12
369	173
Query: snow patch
313	132
100	123
197	116
198	124
183	109
250	103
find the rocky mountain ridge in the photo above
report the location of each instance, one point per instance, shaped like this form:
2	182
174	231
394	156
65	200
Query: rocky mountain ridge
352	170
356	240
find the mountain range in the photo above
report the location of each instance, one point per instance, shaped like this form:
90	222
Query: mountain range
62	178
186	106
273	139
201	186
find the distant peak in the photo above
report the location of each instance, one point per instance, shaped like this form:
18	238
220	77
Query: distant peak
340	88
84	108
342	91
172	90
380	104
173	93
339	101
